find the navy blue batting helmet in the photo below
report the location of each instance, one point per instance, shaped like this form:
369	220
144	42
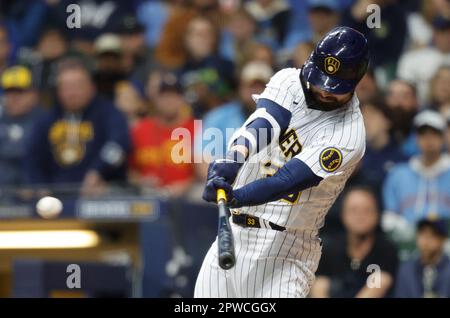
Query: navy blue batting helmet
338	62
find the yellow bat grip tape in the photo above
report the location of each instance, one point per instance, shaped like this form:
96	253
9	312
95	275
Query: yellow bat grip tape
221	195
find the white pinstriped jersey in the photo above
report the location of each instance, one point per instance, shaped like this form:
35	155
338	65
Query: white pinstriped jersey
331	143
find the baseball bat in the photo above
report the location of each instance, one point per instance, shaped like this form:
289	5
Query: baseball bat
224	234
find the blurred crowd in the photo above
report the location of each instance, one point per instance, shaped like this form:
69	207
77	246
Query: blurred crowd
94	107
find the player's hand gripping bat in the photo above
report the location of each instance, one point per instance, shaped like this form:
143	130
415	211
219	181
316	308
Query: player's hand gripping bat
225	239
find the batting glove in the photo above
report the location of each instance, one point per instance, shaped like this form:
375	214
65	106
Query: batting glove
226	169
210	192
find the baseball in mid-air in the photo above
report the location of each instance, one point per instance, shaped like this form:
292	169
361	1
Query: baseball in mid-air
49	207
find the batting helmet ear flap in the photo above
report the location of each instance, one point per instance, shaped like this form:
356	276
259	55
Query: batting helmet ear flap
338	62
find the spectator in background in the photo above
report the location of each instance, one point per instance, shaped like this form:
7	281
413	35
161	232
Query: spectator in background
323	16
344	266
24	20
83	140
272	20
232	115
153	15
137	56
402	95
50	48
261	53
206	76
382	151
109	68
301	53
210	9
154	163
367	88
428	274
420	24
401	99
171	52
130	99
440	88
276	25
420	187
299	25
419	66
19	111
238	37
386	42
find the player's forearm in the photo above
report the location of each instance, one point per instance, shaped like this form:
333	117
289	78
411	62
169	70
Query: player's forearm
256	136
294	176
261	128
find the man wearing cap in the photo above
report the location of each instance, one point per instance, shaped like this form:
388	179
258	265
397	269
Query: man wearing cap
419	66
421	187
428	274
18	113
109	68
232	115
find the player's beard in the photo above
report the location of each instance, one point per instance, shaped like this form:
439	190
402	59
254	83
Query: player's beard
330	103
315	102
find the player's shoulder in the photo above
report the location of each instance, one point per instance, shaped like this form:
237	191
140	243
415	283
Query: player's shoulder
348	129
353	113
283	88
287	75
349	116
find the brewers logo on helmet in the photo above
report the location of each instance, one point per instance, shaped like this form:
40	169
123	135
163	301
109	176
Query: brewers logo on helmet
338	62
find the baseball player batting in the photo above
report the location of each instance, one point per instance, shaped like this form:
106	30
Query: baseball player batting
315	139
